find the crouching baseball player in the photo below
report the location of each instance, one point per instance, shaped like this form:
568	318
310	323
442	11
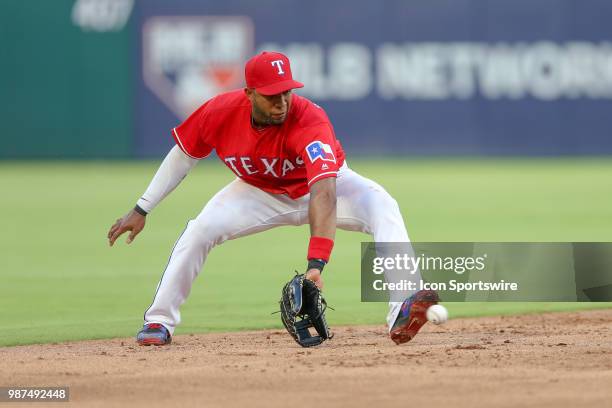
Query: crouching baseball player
290	170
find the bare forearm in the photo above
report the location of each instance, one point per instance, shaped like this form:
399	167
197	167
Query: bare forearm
322	209
171	172
322	217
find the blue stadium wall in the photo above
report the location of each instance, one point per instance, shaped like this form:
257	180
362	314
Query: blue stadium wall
448	77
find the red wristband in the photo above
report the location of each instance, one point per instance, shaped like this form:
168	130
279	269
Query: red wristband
320	248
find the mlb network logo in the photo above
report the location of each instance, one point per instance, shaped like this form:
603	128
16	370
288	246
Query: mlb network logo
189	59
319	150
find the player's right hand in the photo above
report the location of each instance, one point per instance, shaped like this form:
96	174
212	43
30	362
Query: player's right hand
132	222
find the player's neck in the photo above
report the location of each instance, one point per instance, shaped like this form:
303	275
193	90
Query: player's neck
257	125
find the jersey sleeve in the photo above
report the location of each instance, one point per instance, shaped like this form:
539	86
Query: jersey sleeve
319	152
189	135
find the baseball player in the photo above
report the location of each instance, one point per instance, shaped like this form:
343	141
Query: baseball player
290	170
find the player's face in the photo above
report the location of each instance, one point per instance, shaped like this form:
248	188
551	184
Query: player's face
269	109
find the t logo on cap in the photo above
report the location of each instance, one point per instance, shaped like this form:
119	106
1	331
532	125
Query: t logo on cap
279	64
266	81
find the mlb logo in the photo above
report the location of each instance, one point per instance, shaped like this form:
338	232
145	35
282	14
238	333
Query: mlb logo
189	59
319	150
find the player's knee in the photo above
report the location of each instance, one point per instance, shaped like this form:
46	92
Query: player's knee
385	208
393	205
211	230
382	201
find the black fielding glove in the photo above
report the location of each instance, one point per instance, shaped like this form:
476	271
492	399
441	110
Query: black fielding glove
302	307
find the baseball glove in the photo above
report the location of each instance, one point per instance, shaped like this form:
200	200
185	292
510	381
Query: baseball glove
302	307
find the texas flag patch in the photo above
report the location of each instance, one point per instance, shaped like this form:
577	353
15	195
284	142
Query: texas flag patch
319	150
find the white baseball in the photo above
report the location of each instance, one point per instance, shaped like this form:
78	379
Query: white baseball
437	314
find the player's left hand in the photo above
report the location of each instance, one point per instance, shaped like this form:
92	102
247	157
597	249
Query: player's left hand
303	307
315	276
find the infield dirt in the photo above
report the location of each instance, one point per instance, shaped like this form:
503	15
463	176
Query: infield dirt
544	360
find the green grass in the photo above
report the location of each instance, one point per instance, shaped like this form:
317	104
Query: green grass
59	280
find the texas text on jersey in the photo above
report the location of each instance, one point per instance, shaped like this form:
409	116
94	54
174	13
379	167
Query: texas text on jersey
278	159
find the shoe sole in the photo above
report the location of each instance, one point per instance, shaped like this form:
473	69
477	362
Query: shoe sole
152	342
418	318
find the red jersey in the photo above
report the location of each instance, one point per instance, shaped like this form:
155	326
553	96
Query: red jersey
282	159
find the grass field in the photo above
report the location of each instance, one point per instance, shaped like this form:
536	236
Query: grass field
61	281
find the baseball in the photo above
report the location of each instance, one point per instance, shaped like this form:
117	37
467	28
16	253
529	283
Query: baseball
437	314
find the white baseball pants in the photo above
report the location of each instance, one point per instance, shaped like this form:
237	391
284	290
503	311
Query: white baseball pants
240	209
